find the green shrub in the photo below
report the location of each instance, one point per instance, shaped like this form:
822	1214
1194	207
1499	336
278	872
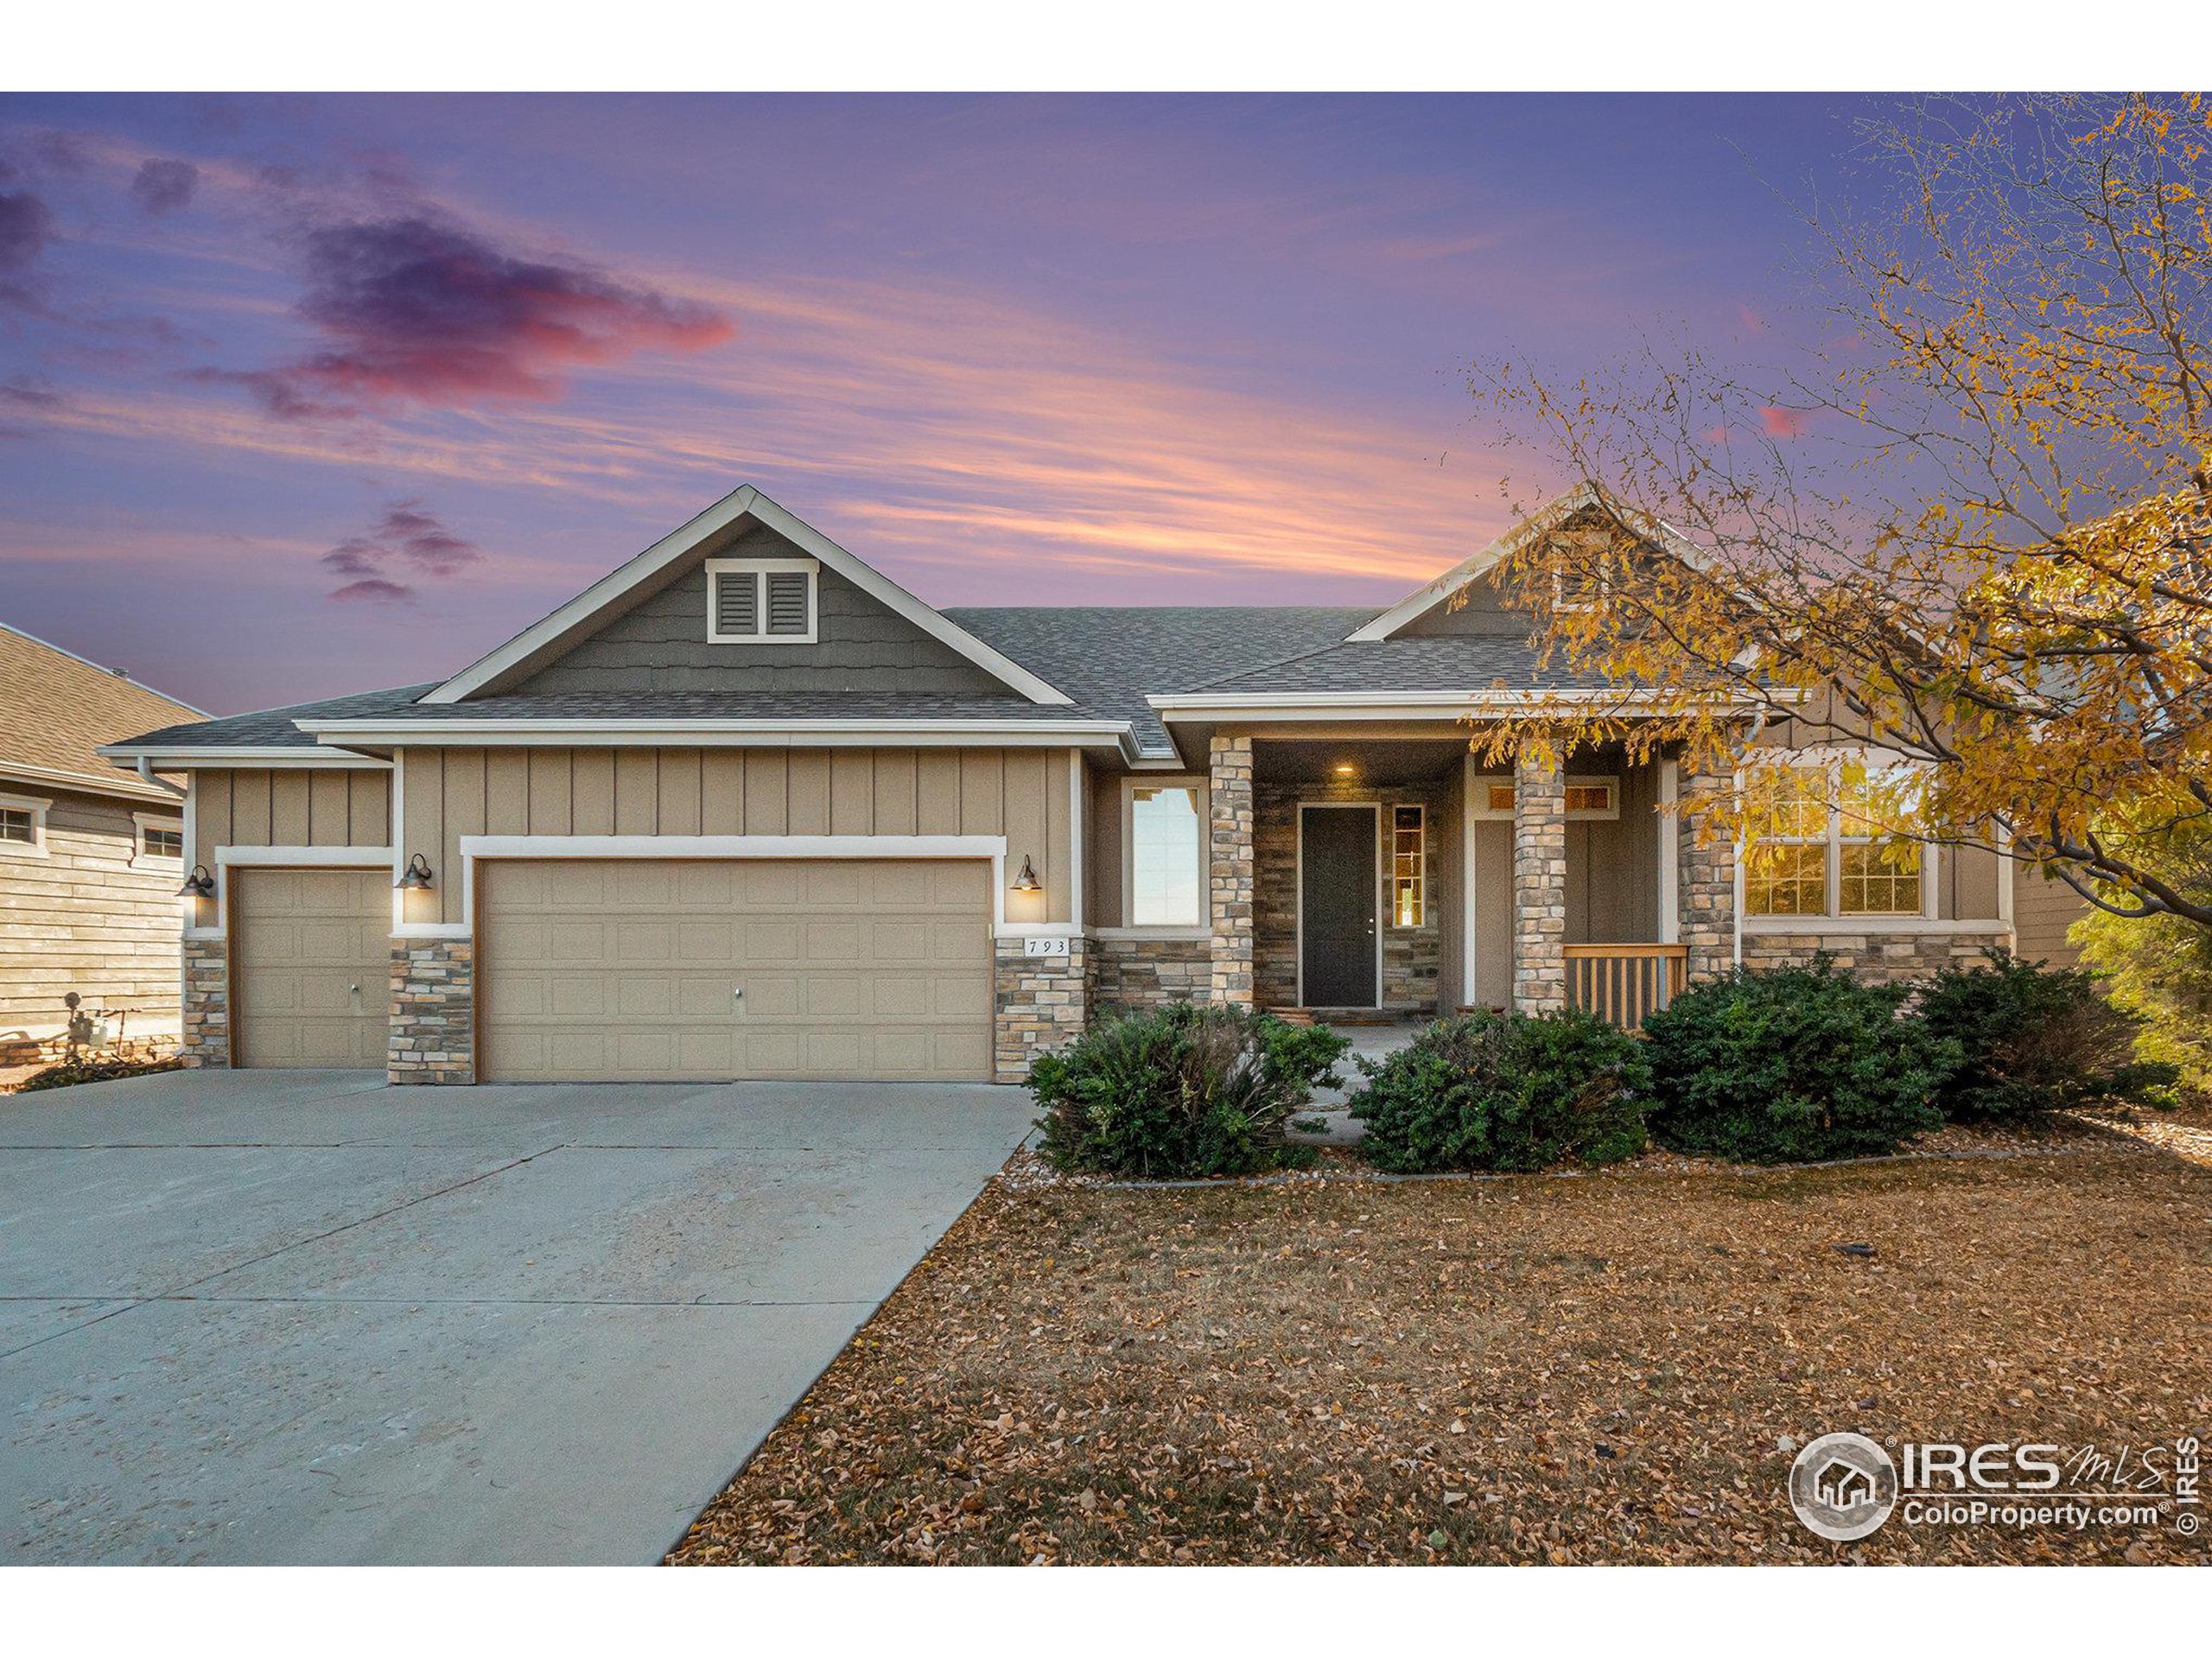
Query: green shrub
2160	967
1516	1091
64	1074
1187	1089
1793	1064
2033	1039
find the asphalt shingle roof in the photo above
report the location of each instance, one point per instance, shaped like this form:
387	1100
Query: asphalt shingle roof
56	708
1108	658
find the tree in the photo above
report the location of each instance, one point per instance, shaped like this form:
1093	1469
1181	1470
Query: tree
1973	526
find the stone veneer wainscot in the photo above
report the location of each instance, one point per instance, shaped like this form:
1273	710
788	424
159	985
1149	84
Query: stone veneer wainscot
433	1011
1042	1004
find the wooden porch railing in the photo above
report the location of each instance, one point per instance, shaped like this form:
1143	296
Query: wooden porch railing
1623	982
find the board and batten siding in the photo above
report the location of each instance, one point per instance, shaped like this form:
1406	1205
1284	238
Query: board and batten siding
288	807
80	918
1022	794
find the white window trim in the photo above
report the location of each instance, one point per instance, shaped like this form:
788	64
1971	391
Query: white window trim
1197	783
37	806
1480	781
1390	876
1834	918
717	569
140	858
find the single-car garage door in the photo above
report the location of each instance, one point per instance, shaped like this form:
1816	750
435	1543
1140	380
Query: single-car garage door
682	969
311	966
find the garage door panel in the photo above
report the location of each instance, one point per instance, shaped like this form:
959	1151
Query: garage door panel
850	968
311	966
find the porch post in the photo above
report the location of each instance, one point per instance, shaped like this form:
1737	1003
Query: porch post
1230	866
1708	882
1539	887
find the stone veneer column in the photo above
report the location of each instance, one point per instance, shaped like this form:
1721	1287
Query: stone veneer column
1539	887
1040	1004
1230	866
1708	913
433	1011
206	1010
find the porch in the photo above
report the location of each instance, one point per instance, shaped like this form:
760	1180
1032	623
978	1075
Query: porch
1372	879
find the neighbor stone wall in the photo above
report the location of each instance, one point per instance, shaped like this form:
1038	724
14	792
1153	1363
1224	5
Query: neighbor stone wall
1040	1004
433	1011
207	1012
1539	887
1230	867
1877	958
1149	973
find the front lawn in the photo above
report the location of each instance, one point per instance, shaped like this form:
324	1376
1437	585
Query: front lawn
1613	1367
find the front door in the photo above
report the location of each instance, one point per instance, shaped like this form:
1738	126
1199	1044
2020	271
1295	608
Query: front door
1336	896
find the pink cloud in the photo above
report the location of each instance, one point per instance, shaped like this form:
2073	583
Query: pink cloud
1783	423
417	310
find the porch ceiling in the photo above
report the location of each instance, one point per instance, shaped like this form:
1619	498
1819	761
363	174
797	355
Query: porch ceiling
1383	761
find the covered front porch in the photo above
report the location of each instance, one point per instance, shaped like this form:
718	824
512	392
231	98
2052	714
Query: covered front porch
1362	877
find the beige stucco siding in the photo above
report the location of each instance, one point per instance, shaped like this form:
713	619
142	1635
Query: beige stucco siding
1022	794
78	917
288	807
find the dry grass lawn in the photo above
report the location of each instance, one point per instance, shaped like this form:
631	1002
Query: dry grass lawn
1602	1369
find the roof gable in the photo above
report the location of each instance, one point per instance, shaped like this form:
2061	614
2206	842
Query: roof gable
1553	515
538	648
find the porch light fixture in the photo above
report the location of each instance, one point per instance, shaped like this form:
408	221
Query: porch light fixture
198	885
418	878
1347	770
1028	881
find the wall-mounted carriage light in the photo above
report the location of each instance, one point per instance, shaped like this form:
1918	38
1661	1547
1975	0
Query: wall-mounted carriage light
418	878
1028	881
198	885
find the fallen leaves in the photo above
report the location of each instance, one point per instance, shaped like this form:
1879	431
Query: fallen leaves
1611	1368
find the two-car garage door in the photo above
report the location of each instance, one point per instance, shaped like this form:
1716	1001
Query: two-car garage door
622	970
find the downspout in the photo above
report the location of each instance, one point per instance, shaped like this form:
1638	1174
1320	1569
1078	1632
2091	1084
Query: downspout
146	771
1736	909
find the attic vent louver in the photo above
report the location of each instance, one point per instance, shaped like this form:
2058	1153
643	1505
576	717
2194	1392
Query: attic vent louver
737	605
761	601
787	605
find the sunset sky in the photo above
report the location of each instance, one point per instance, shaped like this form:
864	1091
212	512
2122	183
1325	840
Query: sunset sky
303	396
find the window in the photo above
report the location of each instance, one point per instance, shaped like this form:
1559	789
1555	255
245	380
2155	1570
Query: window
23	824
160	840
1586	797
1408	870
761	601
1165	856
1825	840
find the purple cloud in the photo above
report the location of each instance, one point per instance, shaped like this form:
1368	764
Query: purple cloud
417	310
163	186
390	592
26	227
406	537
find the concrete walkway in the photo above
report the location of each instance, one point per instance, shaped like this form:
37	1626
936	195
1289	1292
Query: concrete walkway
284	1316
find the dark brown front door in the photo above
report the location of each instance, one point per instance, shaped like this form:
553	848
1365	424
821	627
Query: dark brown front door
1337	907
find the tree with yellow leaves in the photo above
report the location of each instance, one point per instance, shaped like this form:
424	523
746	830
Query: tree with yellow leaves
1974	529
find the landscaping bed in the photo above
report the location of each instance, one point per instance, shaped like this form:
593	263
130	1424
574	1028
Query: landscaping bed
1614	1367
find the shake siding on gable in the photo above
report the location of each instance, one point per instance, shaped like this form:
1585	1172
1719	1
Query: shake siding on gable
661	645
1022	794
80	919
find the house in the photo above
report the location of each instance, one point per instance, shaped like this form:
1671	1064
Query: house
745	807
90	855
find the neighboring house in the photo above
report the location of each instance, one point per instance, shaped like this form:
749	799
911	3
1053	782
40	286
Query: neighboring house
746	808
91	855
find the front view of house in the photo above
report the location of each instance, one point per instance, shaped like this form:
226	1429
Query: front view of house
745	808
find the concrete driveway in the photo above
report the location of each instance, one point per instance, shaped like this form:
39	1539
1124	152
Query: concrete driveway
280	1317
